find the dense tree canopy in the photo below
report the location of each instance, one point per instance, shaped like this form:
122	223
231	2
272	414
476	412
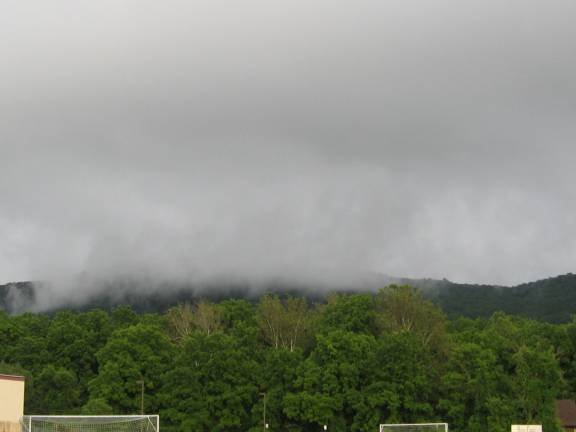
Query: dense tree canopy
351	362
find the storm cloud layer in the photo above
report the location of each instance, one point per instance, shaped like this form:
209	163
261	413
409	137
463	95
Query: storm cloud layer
191	140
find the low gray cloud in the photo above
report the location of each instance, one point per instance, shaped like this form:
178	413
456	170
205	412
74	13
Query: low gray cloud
262	140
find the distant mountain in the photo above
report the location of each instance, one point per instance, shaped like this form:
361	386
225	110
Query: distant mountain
552	300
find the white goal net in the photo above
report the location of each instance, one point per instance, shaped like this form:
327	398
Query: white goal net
134	423
415	427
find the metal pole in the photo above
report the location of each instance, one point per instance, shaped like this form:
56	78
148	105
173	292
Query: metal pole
142	399
264	425
141	382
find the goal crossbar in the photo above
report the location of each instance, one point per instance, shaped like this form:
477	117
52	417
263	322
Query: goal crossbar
80	423
414	427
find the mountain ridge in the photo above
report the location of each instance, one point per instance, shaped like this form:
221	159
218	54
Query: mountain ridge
552	299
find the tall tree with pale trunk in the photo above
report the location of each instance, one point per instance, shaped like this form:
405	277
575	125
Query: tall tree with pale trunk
207	317
403	308
283	322
180	321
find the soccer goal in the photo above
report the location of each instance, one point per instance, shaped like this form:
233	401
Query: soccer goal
130	423
414	427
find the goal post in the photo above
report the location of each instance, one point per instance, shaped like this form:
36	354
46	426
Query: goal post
55	423
414	427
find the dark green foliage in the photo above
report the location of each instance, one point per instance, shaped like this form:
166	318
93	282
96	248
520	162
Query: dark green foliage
132	354
404	309
361	360
56	391
123	316
212	386
549	300
354	313
277	377
97	406
472	378
330	381
406	378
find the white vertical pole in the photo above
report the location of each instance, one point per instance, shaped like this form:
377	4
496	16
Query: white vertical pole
30	424
157	423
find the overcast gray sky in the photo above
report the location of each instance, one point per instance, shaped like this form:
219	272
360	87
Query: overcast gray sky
192	139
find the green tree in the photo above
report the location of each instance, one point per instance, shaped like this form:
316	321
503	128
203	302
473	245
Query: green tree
402	385
29	348
212	386
56	391
530	378
180	321
330	382
183	319
403	308
276	378
124	316
536	384
72	340
135	353
238	320
96	406
472	378
351	313
283	322
207	317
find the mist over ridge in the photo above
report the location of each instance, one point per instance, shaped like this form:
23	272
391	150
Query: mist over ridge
212	140
549	300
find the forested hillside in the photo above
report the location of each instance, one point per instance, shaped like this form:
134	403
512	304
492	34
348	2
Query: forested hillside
351	362
552	300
